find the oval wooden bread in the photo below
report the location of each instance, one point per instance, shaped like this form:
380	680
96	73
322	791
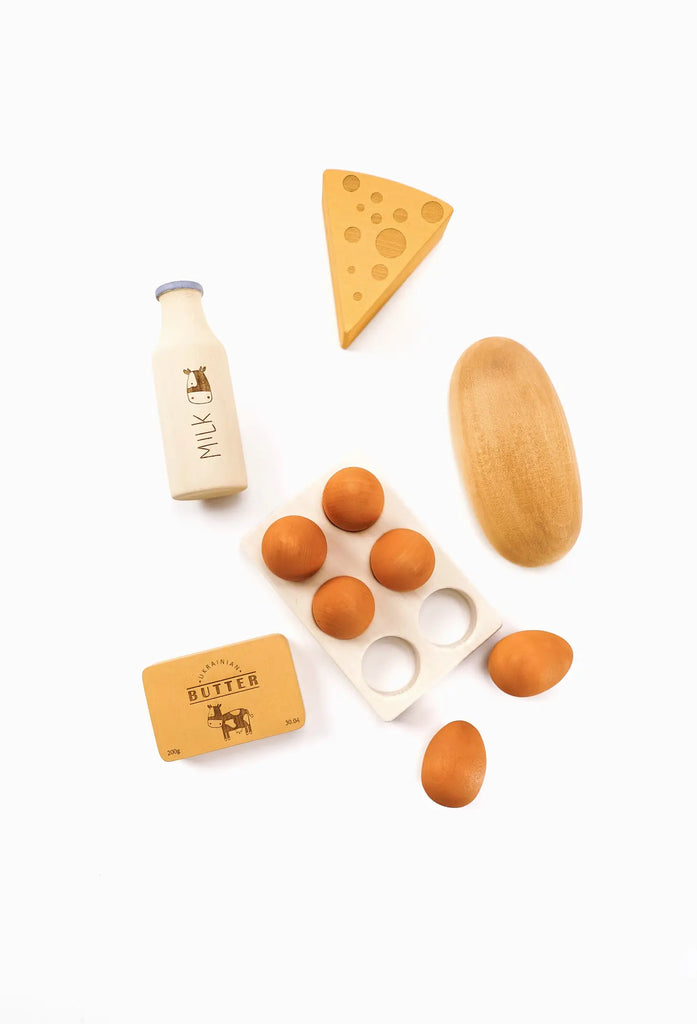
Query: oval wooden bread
515	452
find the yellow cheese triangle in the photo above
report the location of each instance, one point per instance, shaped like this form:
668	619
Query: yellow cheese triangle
378	231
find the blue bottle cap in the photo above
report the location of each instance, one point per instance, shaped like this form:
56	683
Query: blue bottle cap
173	286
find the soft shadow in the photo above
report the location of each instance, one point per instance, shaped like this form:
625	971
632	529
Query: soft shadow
220	506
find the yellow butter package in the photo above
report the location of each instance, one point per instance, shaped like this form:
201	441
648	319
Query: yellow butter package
219	698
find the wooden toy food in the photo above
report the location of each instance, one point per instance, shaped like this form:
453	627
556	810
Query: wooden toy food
219	698
294	548
515	452
343	607
402	560
353	499
396	614
529	662
201	436
454	765
378	231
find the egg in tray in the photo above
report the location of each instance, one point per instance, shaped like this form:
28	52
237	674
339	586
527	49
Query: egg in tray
355	566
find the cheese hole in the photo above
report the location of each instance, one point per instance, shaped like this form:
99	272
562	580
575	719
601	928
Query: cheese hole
432	212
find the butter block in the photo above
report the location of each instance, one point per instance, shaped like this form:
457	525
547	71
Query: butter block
222	697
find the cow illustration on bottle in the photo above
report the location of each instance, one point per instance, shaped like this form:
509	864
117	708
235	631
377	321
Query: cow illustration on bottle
229	721
198	390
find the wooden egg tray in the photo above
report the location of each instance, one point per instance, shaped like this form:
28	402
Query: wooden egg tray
396	614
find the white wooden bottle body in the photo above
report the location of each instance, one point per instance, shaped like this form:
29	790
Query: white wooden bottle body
200	430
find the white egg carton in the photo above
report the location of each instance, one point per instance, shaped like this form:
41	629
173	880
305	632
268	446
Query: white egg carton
396	614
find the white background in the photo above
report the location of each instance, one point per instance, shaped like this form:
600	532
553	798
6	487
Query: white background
307	877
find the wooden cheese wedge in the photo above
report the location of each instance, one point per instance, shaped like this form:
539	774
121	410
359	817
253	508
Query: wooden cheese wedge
378	231
515	452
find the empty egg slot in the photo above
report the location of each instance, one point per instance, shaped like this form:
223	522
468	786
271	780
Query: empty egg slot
447	617
390	665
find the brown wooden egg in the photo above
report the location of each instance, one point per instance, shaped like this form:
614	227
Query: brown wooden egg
529	662
343	607
353	499
294	548
402	560
454	765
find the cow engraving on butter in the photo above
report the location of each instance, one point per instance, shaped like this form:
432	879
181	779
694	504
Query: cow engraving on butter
229	721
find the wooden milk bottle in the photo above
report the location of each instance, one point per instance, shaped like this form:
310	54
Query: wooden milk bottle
200	432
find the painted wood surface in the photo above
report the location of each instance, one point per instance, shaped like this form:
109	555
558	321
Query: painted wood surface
378	231
216	699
